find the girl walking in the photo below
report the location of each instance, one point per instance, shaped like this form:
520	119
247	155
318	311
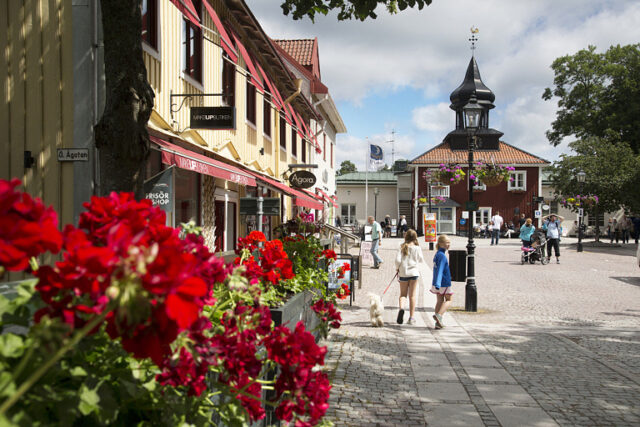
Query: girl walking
408	258
526	231
441	284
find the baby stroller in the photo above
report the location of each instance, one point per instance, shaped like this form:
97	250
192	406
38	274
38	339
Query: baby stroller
537	251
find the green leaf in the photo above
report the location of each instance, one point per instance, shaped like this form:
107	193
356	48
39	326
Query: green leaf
7	386
78	371
11	345
89	400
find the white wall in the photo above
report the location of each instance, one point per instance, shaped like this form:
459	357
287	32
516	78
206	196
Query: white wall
354	194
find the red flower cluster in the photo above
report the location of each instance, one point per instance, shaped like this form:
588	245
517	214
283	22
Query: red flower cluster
327	312
342	270
124	252
302	389
251	242
272	266
329	254
343	291
27	228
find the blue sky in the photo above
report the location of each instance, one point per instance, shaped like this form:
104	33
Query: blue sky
396	72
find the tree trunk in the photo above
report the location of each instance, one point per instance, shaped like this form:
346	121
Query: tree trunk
121	135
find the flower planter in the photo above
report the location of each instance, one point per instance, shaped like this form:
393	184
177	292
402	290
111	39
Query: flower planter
492	181
297	308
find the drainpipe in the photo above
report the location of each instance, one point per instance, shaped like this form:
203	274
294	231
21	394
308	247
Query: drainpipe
296	93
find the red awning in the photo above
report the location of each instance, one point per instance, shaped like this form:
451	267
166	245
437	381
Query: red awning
188	10
301	199
227	44
249	62
327	198
189	160
277	99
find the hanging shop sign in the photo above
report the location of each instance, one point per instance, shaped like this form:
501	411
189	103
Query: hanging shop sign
270	206
213	118
159	189
302	179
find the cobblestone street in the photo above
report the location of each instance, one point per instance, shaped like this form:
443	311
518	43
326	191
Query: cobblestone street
551	345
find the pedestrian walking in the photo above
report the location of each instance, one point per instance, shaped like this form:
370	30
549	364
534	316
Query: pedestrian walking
612	229
403	225
552	226
526	231
623	230
338	222
497	226
408	259
636	227
376	239
441	282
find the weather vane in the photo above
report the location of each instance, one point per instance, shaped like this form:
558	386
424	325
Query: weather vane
473	39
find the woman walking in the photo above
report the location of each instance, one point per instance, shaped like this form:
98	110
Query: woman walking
553	229
526	231
408	258
441	284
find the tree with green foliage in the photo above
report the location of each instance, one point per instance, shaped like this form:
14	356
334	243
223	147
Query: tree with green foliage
346	166
598	95
611	171
347	9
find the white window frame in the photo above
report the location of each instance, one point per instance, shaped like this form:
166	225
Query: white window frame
513	185
482	209
482	186
349	220
446	190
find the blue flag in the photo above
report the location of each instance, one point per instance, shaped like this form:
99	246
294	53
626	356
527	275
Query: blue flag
376	157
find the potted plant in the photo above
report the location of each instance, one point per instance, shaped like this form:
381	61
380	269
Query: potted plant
491	174
448	174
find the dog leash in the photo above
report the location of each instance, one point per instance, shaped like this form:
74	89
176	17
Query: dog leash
385	291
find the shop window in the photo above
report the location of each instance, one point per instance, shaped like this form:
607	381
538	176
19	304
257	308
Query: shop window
283	133
228	81
150	22
266	114
251	103
324	147
192	47
303	149
294	142
519	181
187	196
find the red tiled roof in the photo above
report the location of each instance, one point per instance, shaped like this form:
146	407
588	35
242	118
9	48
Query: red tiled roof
507	154
300	50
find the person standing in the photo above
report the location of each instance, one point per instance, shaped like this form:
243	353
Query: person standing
497	226
387	226
403	225
338	222
441	282
376	238
408	259
623	229
526	231
636	227
552	227
612	229
522	221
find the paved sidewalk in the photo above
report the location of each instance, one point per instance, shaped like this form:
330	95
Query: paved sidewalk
468	374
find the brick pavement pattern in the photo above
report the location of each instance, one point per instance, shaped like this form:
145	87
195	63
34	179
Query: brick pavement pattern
547	351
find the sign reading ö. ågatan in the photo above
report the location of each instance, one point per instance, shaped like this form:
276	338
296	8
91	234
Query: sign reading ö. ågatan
302	179
213	118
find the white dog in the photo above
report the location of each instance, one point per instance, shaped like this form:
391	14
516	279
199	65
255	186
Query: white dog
376	310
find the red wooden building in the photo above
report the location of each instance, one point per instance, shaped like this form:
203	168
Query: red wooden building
510	198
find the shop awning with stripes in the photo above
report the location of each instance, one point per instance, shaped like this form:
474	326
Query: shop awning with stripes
327	198
189	160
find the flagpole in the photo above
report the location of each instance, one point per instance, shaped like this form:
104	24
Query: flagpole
366	183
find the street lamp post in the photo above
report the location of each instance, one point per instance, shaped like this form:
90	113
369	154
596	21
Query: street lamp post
472	113
582	176
376	193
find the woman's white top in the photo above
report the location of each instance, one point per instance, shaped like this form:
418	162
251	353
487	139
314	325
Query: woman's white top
407	266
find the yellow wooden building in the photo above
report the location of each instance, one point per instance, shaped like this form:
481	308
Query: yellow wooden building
198	53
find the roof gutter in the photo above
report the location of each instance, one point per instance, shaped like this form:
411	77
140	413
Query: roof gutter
296	93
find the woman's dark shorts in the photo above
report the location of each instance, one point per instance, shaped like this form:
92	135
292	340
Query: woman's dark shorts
406	279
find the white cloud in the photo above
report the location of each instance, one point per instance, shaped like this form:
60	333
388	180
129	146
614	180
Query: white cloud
428	51
356	149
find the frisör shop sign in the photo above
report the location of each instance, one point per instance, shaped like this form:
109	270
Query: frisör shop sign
302	179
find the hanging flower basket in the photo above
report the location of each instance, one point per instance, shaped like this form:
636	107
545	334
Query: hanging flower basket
580	201
491	174
448	174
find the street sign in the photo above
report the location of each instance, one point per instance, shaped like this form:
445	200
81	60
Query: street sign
463	221
159	189
270	206
471	206
465	214
302	179
538	213
213	118
73	154
580	212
